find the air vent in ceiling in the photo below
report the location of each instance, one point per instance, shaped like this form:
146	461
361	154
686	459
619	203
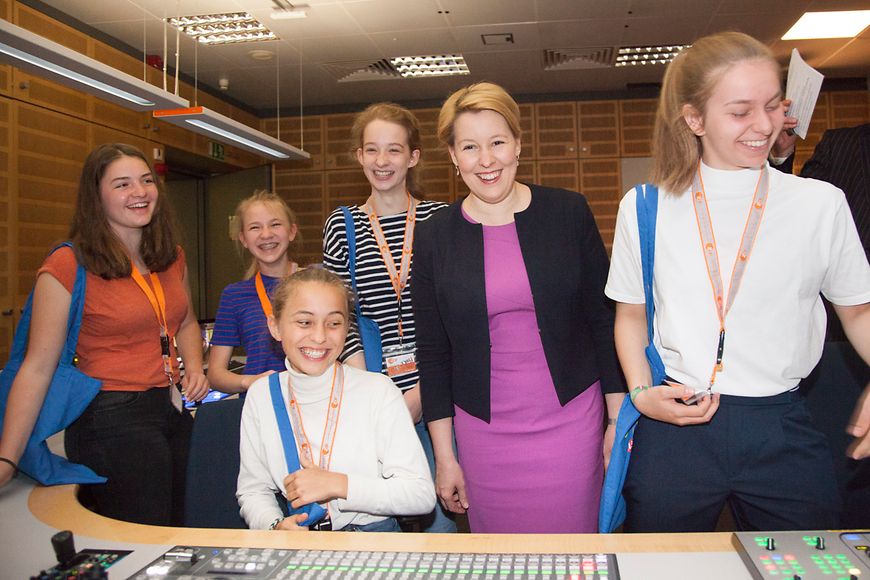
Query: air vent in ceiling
578	58
361	70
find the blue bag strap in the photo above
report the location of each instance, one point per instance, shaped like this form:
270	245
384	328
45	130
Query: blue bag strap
74	319
314	511
647	199
350	235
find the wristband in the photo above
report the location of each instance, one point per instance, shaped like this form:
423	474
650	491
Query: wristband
276	522
12	463
638	390
611	421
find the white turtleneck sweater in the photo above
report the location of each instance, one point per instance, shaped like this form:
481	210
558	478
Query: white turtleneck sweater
375	446
775	330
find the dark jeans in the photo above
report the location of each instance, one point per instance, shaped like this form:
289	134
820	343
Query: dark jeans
140	443
762	456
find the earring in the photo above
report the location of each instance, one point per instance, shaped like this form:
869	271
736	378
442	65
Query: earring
457	169
518	160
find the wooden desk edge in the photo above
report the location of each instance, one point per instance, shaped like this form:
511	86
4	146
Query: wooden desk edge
58	507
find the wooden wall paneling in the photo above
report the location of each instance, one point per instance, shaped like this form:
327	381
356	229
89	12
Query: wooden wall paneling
601	184
433	151
527	125
43	25
304	192
309	139
437	182
233	156
172	135
597	129
527	172
636	120
561	173
100	134
849	108
556	130
48	159
6	9
46	93
8	227
5	79
346	187
337	142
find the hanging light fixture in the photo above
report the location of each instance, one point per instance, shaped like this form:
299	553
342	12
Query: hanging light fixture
32	52
221	128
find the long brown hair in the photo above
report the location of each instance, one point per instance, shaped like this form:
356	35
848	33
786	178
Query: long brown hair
689	80
392	113
98	248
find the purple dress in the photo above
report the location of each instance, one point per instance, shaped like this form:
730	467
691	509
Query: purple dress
537	466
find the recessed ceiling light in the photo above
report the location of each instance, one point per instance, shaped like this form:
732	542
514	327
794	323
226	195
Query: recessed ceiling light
438	65
838	24
641	55
225	28
260	54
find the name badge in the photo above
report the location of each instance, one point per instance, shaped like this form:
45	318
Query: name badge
400	360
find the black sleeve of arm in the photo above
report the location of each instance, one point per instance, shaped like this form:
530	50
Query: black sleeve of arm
433	344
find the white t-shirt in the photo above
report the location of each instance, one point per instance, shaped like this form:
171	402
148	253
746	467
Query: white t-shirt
775	330
375	445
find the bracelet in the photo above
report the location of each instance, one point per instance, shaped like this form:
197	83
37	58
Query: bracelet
611	421
276	522
12	463
638	390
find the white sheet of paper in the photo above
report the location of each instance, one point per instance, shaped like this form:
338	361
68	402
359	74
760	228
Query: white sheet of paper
802	87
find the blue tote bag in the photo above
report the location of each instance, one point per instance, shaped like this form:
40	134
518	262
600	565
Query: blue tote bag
68	395
612	510
369	331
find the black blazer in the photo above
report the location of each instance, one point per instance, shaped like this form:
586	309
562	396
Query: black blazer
567	268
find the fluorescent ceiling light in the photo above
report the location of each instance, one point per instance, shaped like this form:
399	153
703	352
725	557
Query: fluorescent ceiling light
641	55
439	65
211	124
839	24
231	27
32	52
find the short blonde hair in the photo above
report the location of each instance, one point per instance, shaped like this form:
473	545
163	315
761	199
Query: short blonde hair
689	80
478	97
266	198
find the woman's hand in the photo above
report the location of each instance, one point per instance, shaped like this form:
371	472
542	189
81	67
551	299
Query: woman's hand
6	473
661	403
248	380
414	404
291	523
194	385
450	486
312	484
859	427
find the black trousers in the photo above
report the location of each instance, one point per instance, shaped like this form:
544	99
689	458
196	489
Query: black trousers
140	443
762	455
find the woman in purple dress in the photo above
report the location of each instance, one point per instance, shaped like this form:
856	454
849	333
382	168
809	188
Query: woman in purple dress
515	336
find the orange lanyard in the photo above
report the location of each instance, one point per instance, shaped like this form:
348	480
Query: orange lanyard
711	253
157	299
330	425
398	277
264	298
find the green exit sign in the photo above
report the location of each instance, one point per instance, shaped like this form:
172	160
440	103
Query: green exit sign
216	150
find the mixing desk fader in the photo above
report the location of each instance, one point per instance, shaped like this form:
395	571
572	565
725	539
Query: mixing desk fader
805	555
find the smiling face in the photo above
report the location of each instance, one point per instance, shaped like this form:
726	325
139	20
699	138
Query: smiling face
385	156
128	192
743	116
312	326
486	153
267	233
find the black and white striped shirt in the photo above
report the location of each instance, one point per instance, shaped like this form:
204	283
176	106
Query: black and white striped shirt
376	296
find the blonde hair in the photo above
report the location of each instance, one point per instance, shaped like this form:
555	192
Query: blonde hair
285	288
391	113
266	198
689	80
478	97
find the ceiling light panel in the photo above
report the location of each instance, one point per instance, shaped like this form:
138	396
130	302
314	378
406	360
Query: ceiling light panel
229	28
643	55
439	65
836	24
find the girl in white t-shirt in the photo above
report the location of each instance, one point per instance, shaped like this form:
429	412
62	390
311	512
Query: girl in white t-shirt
741	255
354	435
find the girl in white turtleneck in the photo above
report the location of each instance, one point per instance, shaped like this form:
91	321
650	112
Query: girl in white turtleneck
367	464
749	338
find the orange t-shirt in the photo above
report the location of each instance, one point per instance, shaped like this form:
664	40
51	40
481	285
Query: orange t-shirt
119	341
